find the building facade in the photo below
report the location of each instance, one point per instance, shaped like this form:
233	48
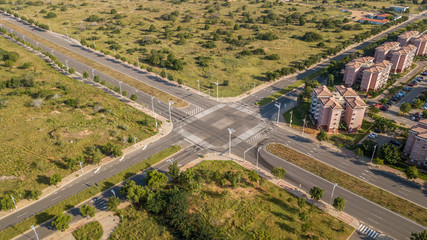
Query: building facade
376	76
384	51
402	59
420	43
329	109
419	40
416	145
406	37
353	70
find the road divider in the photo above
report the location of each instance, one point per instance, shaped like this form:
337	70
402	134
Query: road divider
353	184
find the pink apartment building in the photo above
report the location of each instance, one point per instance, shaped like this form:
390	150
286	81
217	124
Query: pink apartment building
400	57
328	108
370	75
419	40
416	145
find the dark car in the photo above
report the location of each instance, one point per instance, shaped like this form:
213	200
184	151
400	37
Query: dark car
377	130
394	142
384	108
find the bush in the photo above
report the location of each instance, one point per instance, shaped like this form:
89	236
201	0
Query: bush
55	179
273	57
85	74
51	15
90	231
96	78
312	37
278	172
133	97
411	172
113	203
87	210
71	71
111	149
322	136
339	203
61	222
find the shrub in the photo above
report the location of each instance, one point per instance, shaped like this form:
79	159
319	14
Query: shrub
312	37
339	203
96	78
71	70
55	179
61	222
85	74
322	136
272	57
51	15
133	97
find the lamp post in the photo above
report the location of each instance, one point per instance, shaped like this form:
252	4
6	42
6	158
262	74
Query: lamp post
372	157
152	108
230	131
278	112
290	120
114	193
51	52
67	33
34	229
93	73
66	64
303	124
120	86
333	189
13	200
170	115
37	44
217	84
257	157
244	153
81	167
198	85
137	59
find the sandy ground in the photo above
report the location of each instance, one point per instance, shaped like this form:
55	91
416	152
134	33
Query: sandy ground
356	15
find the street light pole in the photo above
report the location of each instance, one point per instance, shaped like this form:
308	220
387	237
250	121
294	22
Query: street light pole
257	156
137	59
372	157
333	189
244	153
303	124
67	33
51	52
217	84
120	86
114	193
13	200
198	85
34	229
290	121
170	115
230	131
278	112
93	73
81	168
152	108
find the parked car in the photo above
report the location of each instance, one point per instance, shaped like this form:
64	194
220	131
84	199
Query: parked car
407	88
410	84
377	105
371	136
401	93
377	130
419	78
390	102
424	107
394	142
424	73
413	101
384	108
417	114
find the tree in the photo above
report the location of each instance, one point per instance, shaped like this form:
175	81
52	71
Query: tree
419	236
87	210
278	172
383	124
61	222
425	114
155	179
33	194
253	176
71	70
113	203
152	28
384	101
316	193
359	152
405	107
389	153
322	136
110	149
173	170
411	172
85	74
339	203
133	97
55	179
6	203
331	80
418	103
135	193
96	78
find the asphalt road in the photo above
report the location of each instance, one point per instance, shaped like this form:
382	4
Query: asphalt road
204	125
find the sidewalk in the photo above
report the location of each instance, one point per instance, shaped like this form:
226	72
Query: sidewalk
350	220
164	129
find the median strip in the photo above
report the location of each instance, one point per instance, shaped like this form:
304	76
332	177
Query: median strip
353	184
70	202
179	103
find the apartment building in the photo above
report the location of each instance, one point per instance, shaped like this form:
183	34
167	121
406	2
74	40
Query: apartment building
416	145
384	51
420	43
406	37
354	69
328	109
419	40
376	76
402	58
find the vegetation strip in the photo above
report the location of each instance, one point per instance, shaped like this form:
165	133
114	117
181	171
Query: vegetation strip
69	203
364	189
117	75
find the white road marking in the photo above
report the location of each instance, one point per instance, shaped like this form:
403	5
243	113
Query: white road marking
121	158
405	189
374	221
97	170
21	215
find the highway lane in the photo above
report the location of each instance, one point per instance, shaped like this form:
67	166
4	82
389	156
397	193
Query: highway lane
100	201
371	214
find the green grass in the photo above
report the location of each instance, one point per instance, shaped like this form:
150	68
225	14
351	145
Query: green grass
299	112
90	231
280	93
34	141
68	203
224	64
350	140
359	187
248	211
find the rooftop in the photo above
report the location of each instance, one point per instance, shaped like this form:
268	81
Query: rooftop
408	34
384	15
406	49
361	61
422	37
355	102
388	46
375	20
345	91
331	102
378	67
322	91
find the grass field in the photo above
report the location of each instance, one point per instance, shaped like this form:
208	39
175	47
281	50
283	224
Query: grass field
36	135
184	28
90	231
364	189
68	203
248	211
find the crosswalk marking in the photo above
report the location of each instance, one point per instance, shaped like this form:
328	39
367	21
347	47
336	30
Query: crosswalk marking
194	111
368	231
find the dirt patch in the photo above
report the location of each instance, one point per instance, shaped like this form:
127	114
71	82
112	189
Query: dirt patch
55	112
4	178
356	15
63	133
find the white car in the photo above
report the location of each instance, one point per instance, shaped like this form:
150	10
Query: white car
371	136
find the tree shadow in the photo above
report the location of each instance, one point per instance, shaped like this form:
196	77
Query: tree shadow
286	227
42	179
283	205
283	216
43	217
